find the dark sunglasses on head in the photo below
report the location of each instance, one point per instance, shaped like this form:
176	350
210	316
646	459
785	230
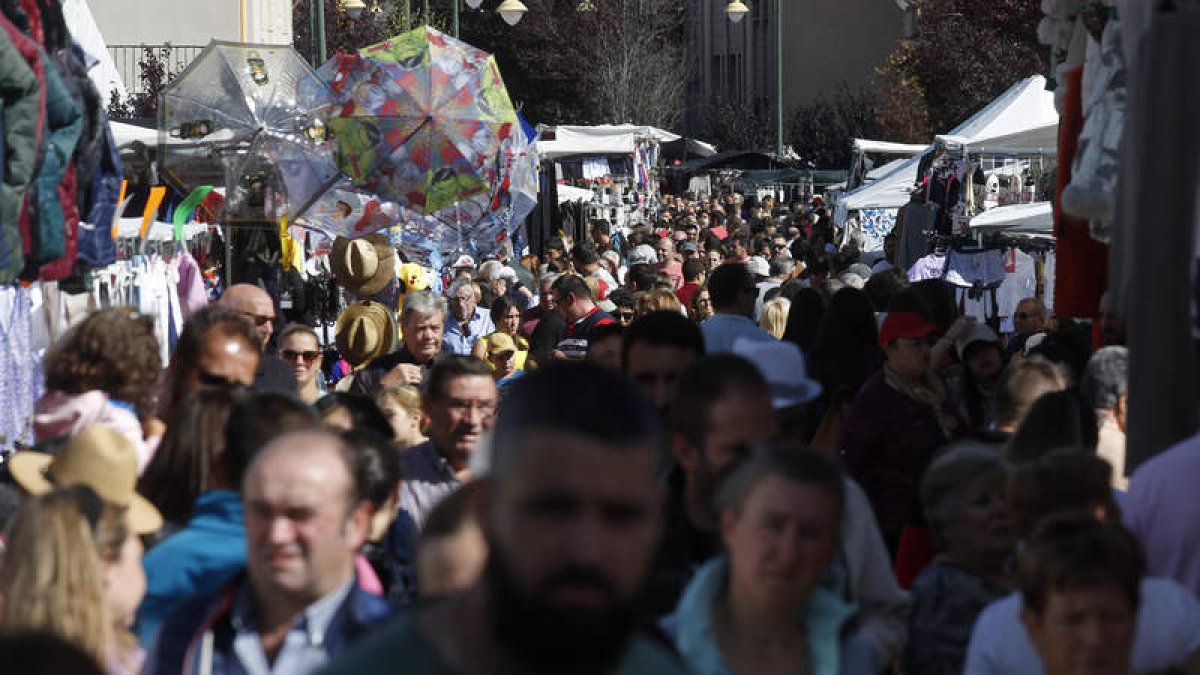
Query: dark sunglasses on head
292	355
221	382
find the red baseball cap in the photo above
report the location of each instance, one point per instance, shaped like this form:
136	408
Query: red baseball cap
909	325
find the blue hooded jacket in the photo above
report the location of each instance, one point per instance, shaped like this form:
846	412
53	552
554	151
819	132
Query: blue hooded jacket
197	560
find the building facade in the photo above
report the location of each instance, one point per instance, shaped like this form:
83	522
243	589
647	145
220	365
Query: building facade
825	43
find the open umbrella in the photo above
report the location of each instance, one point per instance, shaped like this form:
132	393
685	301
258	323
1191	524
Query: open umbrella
422	120
252	118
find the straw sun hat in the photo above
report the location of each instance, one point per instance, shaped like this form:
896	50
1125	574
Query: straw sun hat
98	457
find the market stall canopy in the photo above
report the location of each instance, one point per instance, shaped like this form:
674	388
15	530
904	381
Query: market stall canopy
124	134
890	189
604	139
785	176
1031	219
1022	119
747	160
683	149
888	148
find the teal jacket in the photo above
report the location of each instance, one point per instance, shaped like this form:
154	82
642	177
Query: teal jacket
691	626
197	560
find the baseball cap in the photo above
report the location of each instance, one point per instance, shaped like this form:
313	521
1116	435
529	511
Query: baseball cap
979	332
909	325
690	246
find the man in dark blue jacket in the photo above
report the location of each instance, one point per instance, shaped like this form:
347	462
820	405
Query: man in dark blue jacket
299	604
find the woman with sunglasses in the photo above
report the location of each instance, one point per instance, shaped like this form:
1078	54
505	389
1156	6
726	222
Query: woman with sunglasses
301	350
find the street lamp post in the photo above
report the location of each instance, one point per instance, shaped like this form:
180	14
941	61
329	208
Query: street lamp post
353	9
736	10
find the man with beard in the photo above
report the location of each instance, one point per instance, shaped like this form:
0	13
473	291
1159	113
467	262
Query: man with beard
570	512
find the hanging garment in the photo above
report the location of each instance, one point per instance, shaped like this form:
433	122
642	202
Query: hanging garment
192	295
875	224
1020	282
1048	272
975	268
1082	261
932	266
23	102
20	369
1154	246
918	220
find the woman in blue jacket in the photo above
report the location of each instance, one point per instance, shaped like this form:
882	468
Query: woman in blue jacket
760	608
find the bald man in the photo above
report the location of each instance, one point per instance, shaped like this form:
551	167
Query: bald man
256	305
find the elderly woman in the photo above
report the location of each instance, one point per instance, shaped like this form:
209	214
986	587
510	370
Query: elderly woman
964	496
760	607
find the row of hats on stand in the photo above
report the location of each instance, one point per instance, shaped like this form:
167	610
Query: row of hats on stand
365	268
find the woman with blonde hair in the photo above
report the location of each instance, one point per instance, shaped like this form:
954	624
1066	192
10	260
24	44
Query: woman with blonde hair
401	405
658	300
774	316
73	567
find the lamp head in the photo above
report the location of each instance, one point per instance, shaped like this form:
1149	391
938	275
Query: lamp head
736	11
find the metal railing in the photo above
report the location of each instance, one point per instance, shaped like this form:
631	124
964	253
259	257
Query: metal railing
127	57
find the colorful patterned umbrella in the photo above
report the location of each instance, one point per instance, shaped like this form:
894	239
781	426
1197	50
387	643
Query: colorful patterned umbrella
251	118
422	120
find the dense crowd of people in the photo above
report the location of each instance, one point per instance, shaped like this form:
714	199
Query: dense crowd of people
713	443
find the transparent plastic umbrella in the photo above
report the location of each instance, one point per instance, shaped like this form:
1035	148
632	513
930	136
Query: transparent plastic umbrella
252	118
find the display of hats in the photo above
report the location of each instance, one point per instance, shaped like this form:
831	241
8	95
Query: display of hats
100	458
363	266
365	330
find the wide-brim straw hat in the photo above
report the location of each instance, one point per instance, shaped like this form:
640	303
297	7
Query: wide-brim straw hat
99	457
365	330
363	266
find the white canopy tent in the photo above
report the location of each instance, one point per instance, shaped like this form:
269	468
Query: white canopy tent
101	68
605	139
1036	219
887	148
1022	120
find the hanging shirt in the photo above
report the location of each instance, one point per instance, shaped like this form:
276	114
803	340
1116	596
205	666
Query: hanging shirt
974	269
1051	264
1020	282
20	369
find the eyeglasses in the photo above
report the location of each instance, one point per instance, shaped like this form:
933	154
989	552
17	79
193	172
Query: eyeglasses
703	301
780	247
209	379
1025	315
292	355
624	316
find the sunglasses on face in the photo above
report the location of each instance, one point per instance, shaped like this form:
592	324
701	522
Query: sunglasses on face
208	379
1021	316
291	355
624	316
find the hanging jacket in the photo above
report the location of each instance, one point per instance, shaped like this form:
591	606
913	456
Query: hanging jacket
20	94
64	122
